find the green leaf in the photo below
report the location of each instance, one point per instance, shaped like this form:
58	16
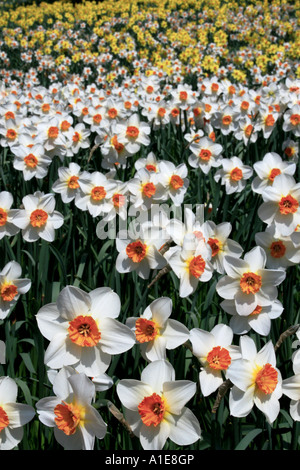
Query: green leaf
244	443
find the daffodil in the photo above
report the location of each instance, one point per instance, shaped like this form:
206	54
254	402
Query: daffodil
82	330
256	381
13	415
155	332
70	412
155	407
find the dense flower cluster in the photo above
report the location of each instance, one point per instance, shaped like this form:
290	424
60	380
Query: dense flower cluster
123	117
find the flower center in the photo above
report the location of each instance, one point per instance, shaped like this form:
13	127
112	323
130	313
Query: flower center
269	120
4	421
84	331
226	120
112	113
149	189
176	182
219	358
236	174
151	168
117	145
136	251
31	161
273	173
76	137
97	118
266	379
11	134
257	310
295	119
145	330
196	266
288	205
245	105
65	126
67	417
250	283
149	89
132	132
161	112
152	410
289	151
118	200
248	130
8	292
38	218
205	154
215	246
73	182
277	249
3	217
9	115
183	95
53	132
98	193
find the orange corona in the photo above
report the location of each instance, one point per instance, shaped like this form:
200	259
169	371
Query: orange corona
152	410
236	174
176	182
3	217
250	283
196	266
288	205
277	249
136	251
218	358
84	331
273	173
205	154
215	246
145	330
31	160
67	417
38	218
4	421
8	292
98	193
266	379
73	182
132	132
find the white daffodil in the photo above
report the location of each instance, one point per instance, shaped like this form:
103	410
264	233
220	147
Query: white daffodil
233	174
70	412
38	219
259	320
281	204
140	251
156	332
215	353
281	251
256	381
133	133
191	264
83	330
11	287
67	183
33	161
216	236
7	227
174	179
155	407
205	154
13	415
248	283
269	168
95	193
